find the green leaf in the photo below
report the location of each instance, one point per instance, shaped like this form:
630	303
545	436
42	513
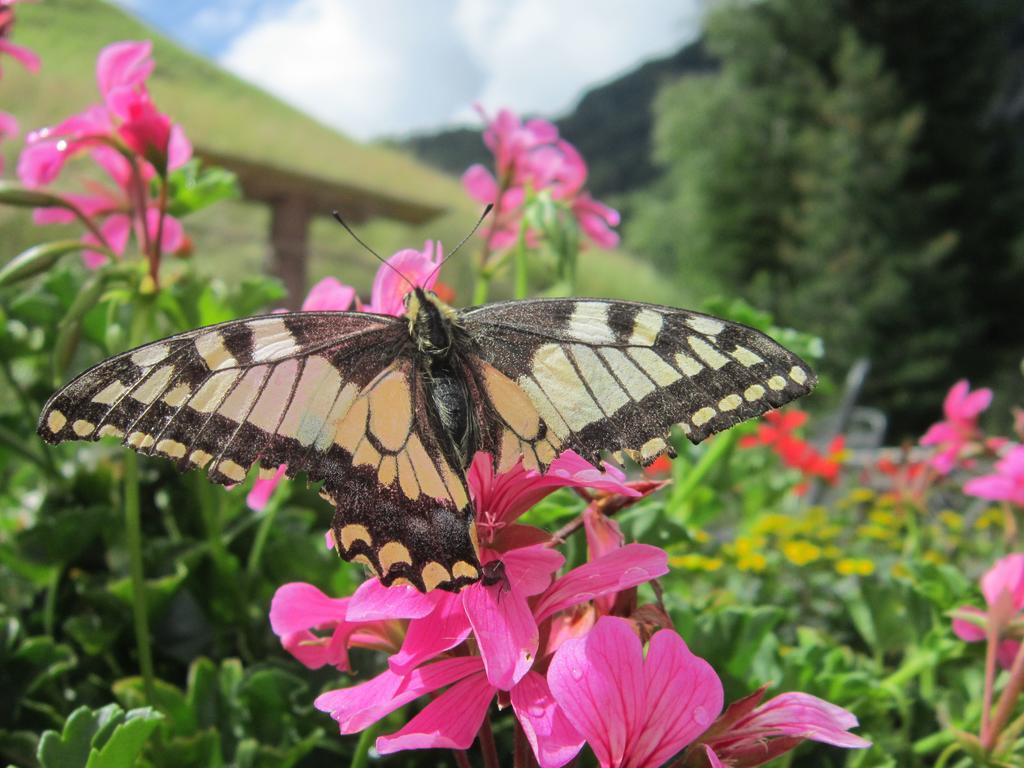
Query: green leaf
192	188
37	259
127	740
71	747
159	591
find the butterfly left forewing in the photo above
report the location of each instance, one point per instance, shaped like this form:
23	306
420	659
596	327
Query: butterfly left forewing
608	375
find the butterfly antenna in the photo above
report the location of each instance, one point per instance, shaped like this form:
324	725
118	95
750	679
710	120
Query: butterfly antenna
463	241
382	260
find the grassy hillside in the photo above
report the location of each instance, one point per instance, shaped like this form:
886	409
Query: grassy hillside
221	112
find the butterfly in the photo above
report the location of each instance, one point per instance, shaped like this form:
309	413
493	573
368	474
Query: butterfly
388	412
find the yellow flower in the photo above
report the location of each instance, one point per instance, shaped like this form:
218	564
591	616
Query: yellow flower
701	537
829	532
696	562
989	518
861	495
884	519
876	532
900	571
800	552
952	520
931	556
852	566
754	562
773	523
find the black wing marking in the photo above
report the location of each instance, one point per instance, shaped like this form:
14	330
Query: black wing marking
296	389
611	375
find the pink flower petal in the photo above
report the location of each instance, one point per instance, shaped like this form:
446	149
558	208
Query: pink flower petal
1007	575
361	705
297	606
263	489
553	738
372	600
598	681
713	761
479	183
8	125
314	652
329	294
620	569
179	148
116	229
451	721
806	717
529	569
968	631
28	58
505	631
417	267
123	65
444	628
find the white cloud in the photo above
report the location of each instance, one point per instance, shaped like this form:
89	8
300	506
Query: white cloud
395	66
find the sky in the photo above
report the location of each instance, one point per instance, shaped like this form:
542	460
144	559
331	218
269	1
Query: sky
388	68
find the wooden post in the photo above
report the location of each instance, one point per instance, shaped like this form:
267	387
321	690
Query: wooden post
289	252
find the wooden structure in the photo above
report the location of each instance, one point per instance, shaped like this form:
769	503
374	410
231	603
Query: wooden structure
295	198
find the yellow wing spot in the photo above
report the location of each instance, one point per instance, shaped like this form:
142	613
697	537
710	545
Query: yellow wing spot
589	323
546	452
200	458
392	553
711	356
366	454
354	532
328	498
388	470
798	374
266	414
464	570
272	340
407	478
172	448
433	574
154	385
652	448
730	403
777	383
231	469
558	378
455	487
109	430
703	416
746	357
353	426
753	392
611	397
178	395
56	421
646	326
391	410
140	440
401	581
209	396
150	355
706	325
544	406
364	560
633	379
426	473
688	365
83	428
685	427
655	367
266	473
237	405
210	347
510	450
110	394
511	403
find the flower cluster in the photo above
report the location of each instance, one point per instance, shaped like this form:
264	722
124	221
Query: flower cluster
529	157
777	431
133	143
28	59
957	438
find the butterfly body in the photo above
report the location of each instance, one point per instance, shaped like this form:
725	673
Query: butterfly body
389	412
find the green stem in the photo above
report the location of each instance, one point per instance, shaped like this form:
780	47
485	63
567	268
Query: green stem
481	288
50	605
133	536
522	265
718	450
361	756
1007	700
260	540
947	753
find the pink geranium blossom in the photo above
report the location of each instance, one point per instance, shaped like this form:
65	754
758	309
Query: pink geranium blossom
1003	589
28	59
958	434
530	157
633	711
750	733
126	119
1006	483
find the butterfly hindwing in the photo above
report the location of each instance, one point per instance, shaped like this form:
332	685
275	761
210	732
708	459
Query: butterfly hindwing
611	375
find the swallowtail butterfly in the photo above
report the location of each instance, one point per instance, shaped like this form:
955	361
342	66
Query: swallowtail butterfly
388	411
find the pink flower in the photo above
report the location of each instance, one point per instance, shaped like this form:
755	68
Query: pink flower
633	712
29	59
126	119
298	610
1006	484
958	433
505	628
418	267
530	157
113	208
750	733
1003	589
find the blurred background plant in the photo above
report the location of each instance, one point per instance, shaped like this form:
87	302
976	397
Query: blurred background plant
818	165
